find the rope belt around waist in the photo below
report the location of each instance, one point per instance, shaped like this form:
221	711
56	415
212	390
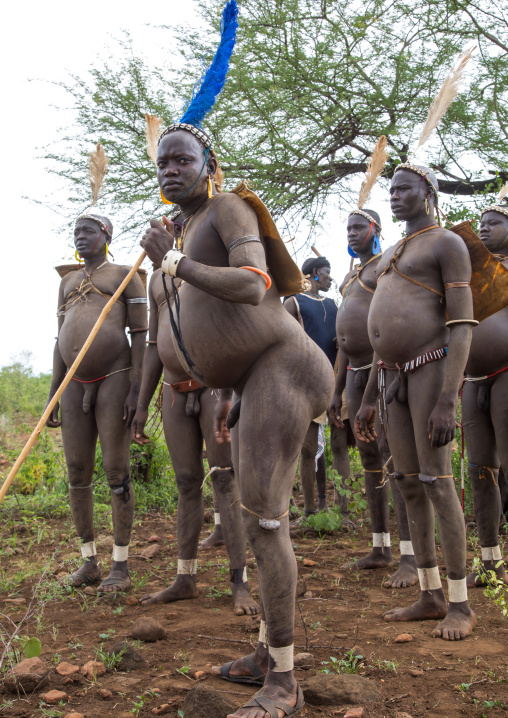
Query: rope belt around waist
92	381
359	368
487	376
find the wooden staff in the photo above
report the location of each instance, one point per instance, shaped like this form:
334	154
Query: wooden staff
318	254
77	361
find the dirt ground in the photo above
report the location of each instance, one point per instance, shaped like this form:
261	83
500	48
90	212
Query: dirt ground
468	678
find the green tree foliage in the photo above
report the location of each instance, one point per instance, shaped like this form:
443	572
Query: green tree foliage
313	84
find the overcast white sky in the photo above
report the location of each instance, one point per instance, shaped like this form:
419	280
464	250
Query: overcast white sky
41	43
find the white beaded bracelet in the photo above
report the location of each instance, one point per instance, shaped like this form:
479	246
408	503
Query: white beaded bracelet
171	261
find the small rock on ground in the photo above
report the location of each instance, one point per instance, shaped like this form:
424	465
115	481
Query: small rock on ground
148	629
66	669
28	675
150	551
54	697
154	539
131	659
161	710
356	712
132	601
90	591
203	702
330	690
400	714
105	695
404	638
93	669
416	672
73	714
304	660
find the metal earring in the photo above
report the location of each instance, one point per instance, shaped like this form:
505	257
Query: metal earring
210	188
426	205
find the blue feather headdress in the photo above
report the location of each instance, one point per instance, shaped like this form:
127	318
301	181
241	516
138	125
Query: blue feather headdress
206	91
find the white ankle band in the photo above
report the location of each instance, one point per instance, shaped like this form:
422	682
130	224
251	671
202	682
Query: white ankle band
120	553
188	567
244	575
457	590
429	578
406	548
491	553
263	638
283	658
88	549
216	517
381	540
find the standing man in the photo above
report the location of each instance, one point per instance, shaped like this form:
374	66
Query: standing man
316	314
101	401
230	330
420	324
485	408
354	367
188	413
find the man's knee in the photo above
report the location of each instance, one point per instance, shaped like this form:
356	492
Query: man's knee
80	476
188	483
223	480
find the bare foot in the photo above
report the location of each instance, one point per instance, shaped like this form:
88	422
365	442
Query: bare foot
184	587
476	580
458	623
244	605
377	558
430	606
215	539
117	580
238	668
86	574
405	576
275	694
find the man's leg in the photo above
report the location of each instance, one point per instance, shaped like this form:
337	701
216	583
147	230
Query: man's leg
269	445
377	493
185	445
406	575
492	436
115	439
424	387
216	538
79	435
308	467
226	490
398	425
341	464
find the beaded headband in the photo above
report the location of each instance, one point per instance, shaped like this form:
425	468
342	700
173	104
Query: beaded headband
101	224
496	208
367	216
198	134
418	170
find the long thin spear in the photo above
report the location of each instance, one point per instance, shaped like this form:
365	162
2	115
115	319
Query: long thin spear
77	361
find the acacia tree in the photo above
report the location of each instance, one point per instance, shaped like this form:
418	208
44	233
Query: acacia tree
312	85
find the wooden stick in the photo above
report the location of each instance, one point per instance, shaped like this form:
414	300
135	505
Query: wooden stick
77	361
318	254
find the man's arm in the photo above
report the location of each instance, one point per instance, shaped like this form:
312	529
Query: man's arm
366	416
234	219
455	268
151	374
290	306
59	369
340	384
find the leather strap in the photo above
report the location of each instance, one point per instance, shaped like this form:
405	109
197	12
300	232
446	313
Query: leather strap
184	386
